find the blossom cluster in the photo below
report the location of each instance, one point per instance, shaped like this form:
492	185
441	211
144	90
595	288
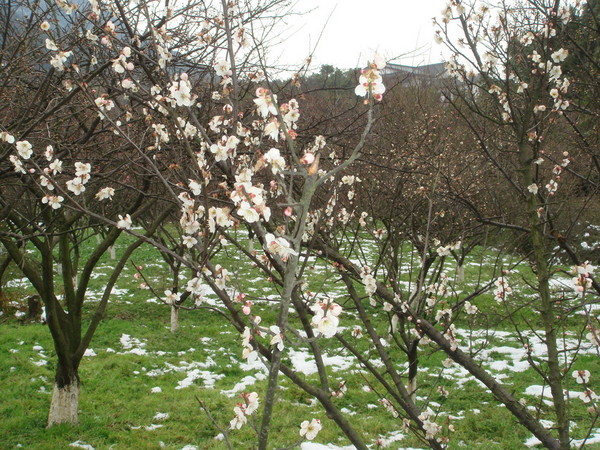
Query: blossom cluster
279	246
370	82
326	318
587	396
502	290
243	410
447	250
369	282
24	154
583	281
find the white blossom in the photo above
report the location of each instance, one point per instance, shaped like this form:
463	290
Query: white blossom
24	149
105	193
124	223
309	430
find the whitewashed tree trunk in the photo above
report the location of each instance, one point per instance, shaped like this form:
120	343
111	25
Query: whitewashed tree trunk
250	245
113	252
460	273
412	388
64	407
174	318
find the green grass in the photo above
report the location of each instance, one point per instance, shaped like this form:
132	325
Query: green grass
117	403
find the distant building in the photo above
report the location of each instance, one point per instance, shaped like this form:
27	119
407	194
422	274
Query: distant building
410	74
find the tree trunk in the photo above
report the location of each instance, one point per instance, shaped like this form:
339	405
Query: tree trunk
174	318
64	407
460	273
413	366
113	252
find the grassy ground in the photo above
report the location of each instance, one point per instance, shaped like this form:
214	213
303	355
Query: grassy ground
134	355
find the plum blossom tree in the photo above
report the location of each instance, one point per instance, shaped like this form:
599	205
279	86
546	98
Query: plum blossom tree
78	152
508	66
53	147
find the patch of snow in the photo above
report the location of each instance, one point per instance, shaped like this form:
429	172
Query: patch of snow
593	439
304	363
539	391
81	444
315	446
208	377
160	416
18	283
257	364
119	291
394	436
90	352
243	384
132	345
40	363
151	427
156	390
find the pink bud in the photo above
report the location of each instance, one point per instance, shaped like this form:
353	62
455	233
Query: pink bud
288	211
308	158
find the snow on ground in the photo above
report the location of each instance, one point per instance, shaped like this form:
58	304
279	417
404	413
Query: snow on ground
575	443
132	345
315	446
209	378
81	444
304	363
593	439
161	416
150	427
392	437
544	391
248	380
18	283
193	372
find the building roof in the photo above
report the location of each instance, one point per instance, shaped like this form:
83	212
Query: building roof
436	70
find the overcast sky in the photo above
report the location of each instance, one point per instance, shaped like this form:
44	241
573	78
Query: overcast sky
358	28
